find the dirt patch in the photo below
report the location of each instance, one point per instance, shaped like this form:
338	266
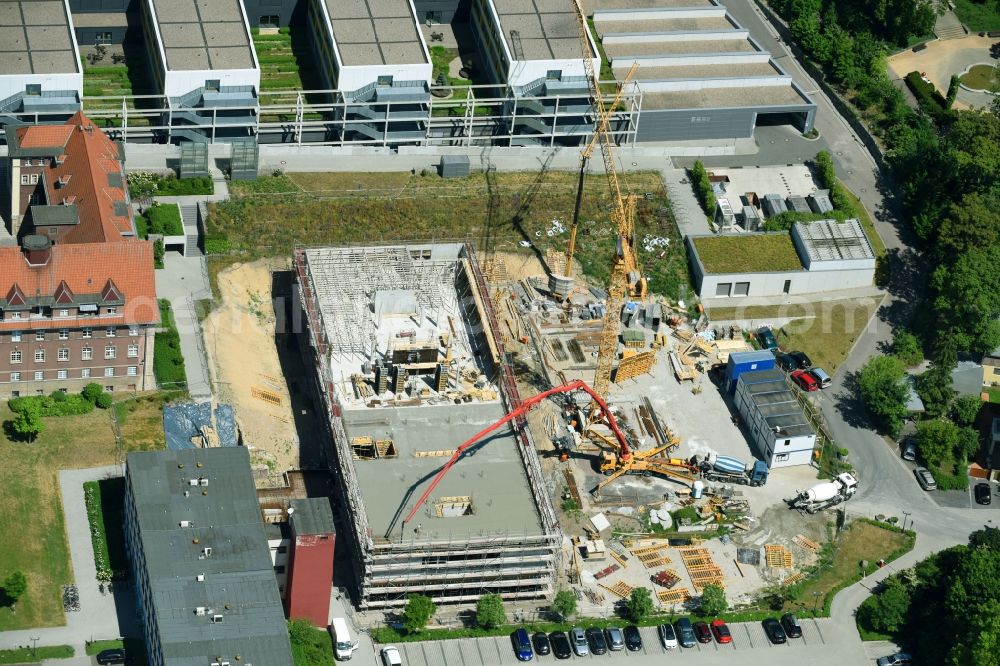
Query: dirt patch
246	371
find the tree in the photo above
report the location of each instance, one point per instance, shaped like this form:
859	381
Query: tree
906	347
27	424
968	298
988	537
969	223
564	603
936	440
14	586
91	391
418	612
884	391
965	409
490	612
886	611
713	600
639	605
952	90
967	444
935	385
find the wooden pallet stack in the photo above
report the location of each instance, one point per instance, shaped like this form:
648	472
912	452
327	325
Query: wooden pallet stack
672	597
778	556
652	557
619	589
701	568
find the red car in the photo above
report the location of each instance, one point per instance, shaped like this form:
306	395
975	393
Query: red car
721	631
805	380
702	632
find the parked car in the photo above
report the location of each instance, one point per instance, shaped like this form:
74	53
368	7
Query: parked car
113	656
578	637
925	478
598	644
909	449
721	631
802	362
633	639
785	361
898	659
614	638
702	632
766	338
805	381
560	645
983	492
390	656
791	625
668	637
685	633
522	645
823	379
540	641
774	632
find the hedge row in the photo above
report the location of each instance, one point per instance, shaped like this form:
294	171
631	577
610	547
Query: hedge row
703	188
59	403
929	99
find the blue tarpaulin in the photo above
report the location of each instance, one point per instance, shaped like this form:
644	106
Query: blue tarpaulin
185	420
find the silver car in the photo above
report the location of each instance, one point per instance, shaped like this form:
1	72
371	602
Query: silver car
925	478
898	659
578	637
909	449
616	640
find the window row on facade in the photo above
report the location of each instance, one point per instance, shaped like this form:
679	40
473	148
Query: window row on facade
85	373
86	354
64	334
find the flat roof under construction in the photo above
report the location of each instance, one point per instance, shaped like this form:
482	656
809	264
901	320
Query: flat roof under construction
546	29
490	477
375	32
36	37
661	25
203	34
627	50
724	71
720	98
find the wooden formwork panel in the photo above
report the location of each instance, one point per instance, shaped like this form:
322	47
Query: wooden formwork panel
707	577
794	578
620	558
648	550
654	560
806	542
778	556
670	597
635	366
263	394
694	552
619	589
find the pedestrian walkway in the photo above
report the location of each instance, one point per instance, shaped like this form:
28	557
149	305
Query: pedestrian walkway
182	281
691	220
101	615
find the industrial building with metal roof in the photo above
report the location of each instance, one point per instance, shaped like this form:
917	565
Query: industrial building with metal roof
201	567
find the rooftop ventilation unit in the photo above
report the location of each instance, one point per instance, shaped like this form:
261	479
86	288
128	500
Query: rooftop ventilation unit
203	481
185	523
200	610
206	551
200	578
217	619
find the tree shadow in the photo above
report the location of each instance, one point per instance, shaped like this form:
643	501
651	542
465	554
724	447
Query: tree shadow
849	404
6	601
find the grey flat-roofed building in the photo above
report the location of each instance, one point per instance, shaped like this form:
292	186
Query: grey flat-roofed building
547	28
718	98
312	515
204	34
36	37
204	580
375	32
779	431
627	51
819	201
667	72
664	25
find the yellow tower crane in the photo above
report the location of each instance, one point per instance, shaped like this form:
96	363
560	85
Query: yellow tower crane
626	276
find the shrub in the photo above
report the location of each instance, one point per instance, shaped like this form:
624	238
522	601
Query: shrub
564	603
489	611
952	90
906	347
158	252
58	396
165	219
418	612
104	400
91	391
703	188
50	405
639	604
929	99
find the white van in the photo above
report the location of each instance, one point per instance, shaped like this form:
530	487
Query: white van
343	646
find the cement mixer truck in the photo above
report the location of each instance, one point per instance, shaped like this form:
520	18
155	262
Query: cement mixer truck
726	469
826	494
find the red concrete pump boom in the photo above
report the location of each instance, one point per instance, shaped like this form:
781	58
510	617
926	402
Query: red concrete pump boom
526	406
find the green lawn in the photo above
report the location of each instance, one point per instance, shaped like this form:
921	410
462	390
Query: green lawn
994	393
285	61
31	505
311	646
168	361
106	513
748	253
981	77
35	656
269	216
165	219
978	16
135	649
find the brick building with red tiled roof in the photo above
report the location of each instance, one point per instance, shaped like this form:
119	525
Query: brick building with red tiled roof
77	289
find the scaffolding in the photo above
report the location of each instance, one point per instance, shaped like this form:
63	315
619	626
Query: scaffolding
450	570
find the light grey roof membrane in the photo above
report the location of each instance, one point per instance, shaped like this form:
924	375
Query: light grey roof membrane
491	473
829	240
545	29
203	34
35	38
222	514
375	32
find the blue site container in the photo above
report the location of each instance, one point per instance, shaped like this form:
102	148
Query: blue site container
740	362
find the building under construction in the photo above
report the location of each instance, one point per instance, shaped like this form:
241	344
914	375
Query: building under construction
408	361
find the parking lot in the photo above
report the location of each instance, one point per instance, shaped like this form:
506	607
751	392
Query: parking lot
748	640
